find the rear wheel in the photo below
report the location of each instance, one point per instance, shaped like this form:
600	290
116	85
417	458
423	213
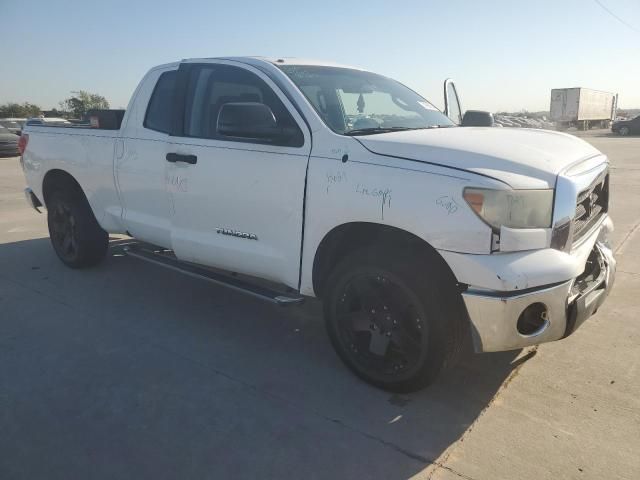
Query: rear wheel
624	131
75	234
394	321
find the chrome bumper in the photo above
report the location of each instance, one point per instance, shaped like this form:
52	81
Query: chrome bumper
494	315
32	199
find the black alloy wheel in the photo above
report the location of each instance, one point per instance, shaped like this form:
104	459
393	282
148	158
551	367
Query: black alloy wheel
75	234
394	317
63	232
381	325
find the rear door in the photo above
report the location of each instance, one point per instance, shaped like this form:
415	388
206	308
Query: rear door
236	204
140	159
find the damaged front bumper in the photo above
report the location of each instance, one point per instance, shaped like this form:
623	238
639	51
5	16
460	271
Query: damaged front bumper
516	319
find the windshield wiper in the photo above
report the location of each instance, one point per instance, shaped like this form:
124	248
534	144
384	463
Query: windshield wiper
373	130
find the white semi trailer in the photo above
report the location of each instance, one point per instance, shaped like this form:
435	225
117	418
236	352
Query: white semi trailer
582	108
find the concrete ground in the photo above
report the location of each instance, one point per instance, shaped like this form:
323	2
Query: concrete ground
131	371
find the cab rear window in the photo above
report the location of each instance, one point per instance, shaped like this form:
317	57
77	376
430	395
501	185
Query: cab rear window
160	109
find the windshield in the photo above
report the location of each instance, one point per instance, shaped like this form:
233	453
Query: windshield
353	102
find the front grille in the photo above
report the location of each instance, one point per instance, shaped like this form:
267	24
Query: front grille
592	204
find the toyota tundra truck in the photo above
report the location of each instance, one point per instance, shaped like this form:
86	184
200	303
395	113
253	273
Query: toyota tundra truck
287	179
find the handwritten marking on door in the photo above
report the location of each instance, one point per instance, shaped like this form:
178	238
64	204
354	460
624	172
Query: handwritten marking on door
176	183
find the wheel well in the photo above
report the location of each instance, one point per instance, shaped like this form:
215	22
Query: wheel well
58	180
346	238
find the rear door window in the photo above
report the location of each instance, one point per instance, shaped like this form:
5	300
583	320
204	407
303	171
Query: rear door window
160	110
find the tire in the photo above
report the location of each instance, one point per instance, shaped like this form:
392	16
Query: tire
623	131
75	234
395	320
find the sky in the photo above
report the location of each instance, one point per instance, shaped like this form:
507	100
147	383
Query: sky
504	55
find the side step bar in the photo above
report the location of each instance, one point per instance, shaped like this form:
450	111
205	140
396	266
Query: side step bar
165	258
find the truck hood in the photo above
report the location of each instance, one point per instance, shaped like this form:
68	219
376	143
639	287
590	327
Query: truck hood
520	157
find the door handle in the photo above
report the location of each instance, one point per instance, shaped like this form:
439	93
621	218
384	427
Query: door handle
177	157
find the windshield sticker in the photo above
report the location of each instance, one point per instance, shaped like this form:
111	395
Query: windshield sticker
428	106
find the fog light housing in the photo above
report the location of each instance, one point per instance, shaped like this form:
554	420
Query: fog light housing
533	320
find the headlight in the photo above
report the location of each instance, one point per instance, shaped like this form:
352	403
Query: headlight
512	208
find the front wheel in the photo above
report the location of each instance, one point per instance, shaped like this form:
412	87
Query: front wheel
75	234
624	131
394	320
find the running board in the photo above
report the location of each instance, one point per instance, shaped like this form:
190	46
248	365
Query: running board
164	258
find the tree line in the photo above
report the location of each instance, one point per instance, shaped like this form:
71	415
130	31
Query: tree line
76	106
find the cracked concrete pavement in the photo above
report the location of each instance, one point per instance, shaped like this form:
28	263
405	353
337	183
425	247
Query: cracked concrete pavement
131	371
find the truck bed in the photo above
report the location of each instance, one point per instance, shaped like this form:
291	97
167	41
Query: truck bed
94	119
88	155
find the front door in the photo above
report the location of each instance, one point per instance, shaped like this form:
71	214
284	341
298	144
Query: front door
236	203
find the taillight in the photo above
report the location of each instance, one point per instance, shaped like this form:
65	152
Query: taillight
22	143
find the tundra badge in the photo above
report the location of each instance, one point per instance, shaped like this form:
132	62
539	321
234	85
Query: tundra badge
235	233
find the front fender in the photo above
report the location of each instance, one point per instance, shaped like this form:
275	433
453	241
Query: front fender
423	200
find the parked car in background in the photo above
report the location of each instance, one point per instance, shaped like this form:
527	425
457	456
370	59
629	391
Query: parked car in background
42	121
8	143
626	127
14	125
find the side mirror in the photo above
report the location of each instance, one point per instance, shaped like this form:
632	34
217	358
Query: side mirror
452	105
250	120
477	118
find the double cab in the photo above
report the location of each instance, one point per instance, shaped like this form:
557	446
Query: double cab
289	179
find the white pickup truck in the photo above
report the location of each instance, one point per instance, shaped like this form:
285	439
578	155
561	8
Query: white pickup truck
286	178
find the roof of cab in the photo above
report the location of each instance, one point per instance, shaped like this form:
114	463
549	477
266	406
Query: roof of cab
277	61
